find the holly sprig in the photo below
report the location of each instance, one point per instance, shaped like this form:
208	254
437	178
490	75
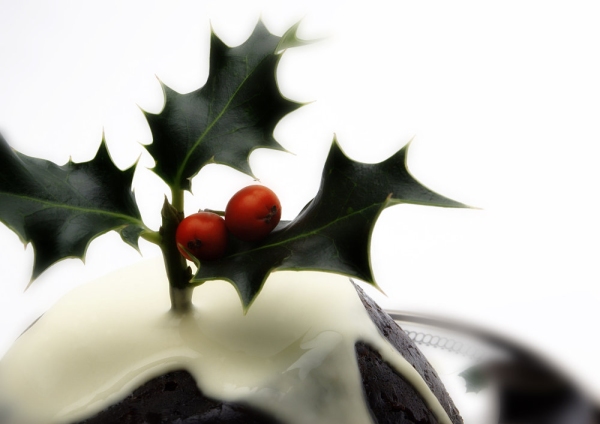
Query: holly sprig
60	209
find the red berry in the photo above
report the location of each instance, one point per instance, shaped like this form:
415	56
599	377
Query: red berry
252	213
203	234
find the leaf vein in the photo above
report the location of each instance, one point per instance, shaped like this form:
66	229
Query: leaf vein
314	231
49	204
214	122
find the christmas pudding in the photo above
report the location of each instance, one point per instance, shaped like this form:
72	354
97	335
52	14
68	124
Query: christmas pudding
311	349
264	327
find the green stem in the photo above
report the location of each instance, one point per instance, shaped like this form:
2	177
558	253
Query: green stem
178	273
177	199
152	236
220	213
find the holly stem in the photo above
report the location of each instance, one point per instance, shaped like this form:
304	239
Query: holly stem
152	236
220	213
177	199
181	299
178	273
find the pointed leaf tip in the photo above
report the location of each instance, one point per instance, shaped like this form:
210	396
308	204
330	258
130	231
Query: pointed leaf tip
290	39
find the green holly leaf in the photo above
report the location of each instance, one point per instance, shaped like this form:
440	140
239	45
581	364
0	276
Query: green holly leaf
60	209
234	113
475	379
333	231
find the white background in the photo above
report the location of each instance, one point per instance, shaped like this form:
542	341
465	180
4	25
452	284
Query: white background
502	99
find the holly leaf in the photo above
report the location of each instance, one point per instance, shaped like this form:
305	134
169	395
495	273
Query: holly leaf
234	113
333	231
475	379
61	209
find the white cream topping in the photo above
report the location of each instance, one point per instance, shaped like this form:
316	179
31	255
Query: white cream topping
292	355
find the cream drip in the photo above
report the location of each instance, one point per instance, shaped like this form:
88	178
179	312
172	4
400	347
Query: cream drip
292	355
